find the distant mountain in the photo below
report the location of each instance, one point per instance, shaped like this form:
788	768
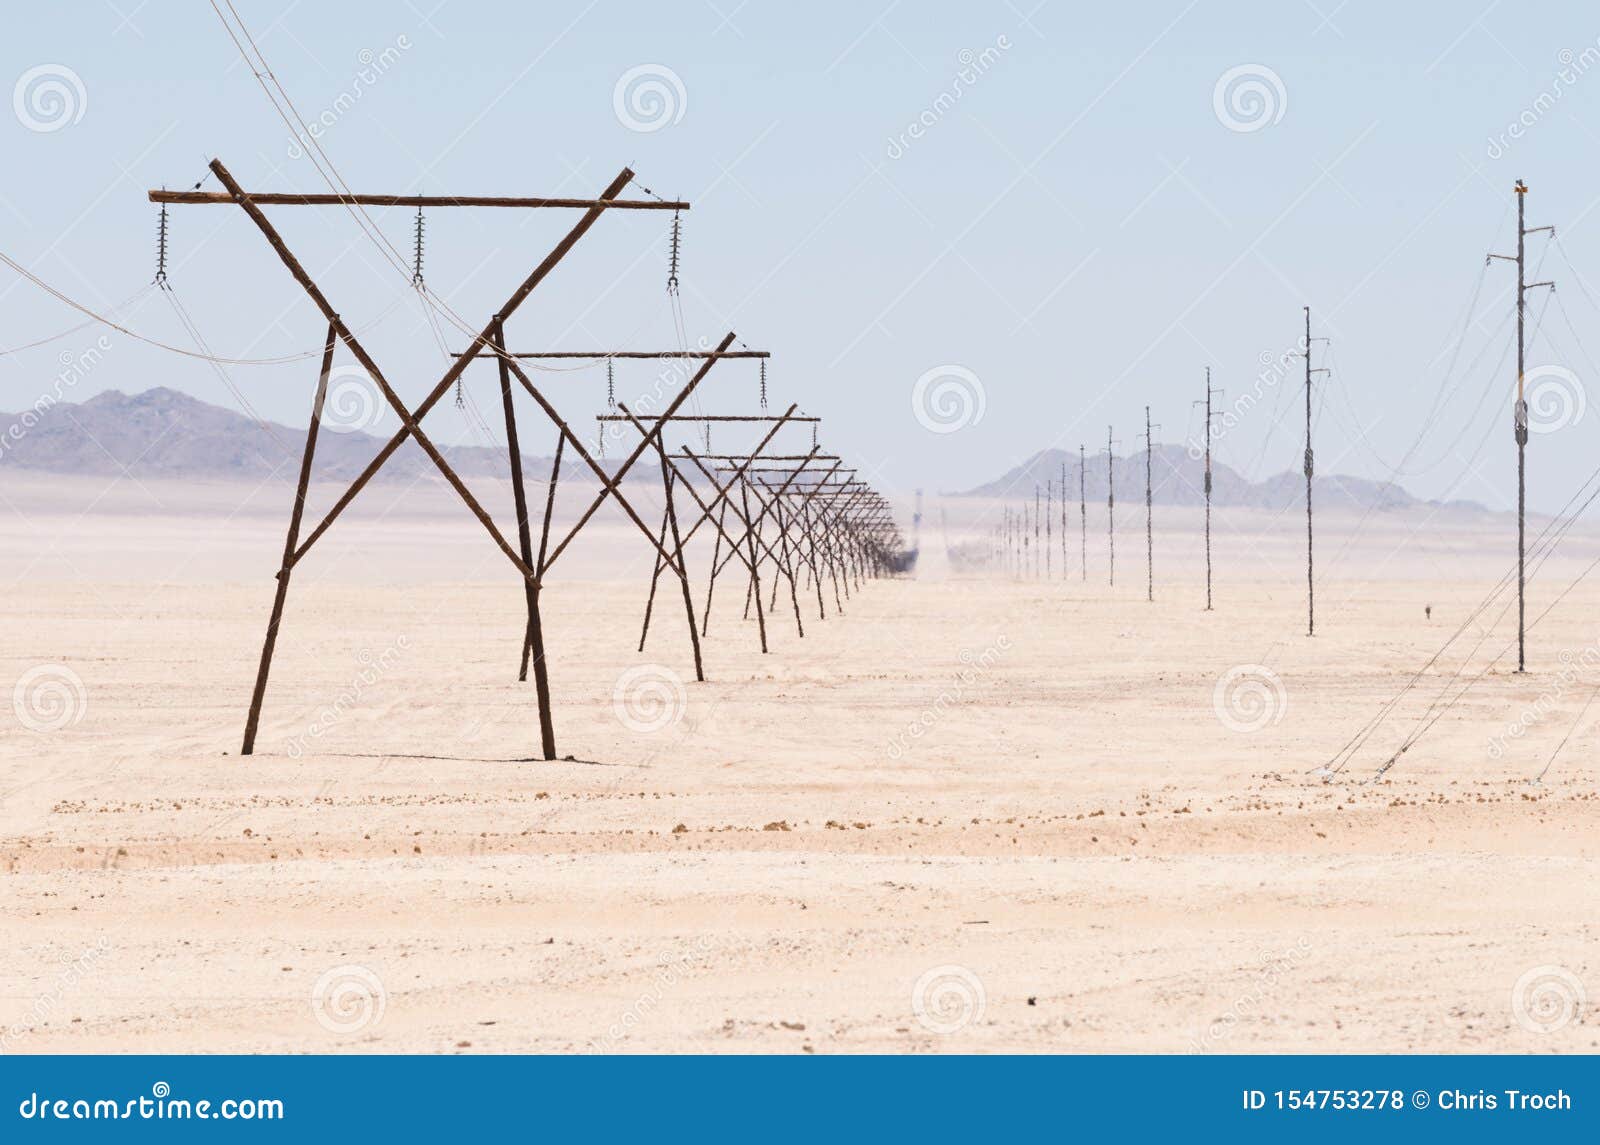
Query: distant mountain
1177	478
165	433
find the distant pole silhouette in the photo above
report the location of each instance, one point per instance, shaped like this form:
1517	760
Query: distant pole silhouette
1149	516
1111	510
1083	505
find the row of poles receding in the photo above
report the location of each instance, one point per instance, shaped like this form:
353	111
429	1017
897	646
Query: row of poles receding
1024	541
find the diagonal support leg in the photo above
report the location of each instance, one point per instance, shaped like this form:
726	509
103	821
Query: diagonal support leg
253	720
655	579
682	570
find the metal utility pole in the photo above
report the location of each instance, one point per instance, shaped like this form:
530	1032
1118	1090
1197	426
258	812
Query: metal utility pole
1111	510
1027	551
1036	530
1311	609
1311	612
1207	431
1063	520
1149	516
1049	512
1520	415
1083	505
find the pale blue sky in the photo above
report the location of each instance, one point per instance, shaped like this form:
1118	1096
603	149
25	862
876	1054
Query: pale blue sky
1080	229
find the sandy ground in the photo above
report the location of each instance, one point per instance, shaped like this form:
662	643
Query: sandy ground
970	814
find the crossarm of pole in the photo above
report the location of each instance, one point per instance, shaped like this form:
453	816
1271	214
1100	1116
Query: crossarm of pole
706	511
704	417
289	199
409	422
609	485
751	524
722	494
619	355
540	272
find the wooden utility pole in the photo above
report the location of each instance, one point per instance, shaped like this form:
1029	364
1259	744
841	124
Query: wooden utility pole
1520	415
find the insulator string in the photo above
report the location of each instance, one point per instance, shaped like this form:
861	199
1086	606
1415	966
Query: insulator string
161	250
672	257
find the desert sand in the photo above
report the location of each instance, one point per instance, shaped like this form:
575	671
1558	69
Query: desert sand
973	813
